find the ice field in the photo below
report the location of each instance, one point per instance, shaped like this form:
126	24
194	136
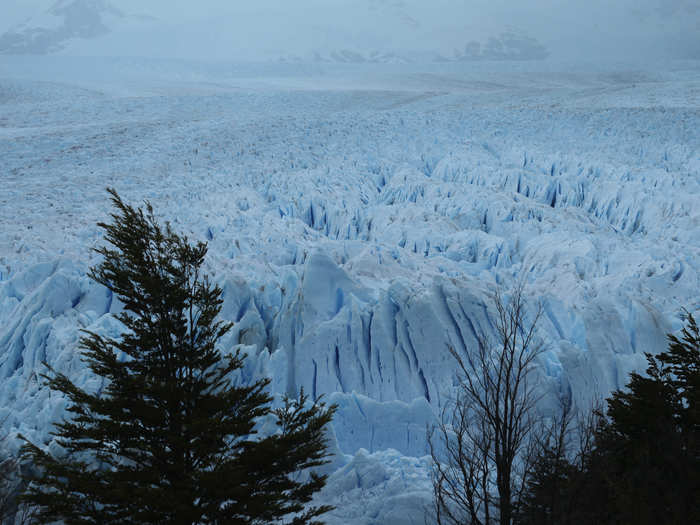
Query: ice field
358	218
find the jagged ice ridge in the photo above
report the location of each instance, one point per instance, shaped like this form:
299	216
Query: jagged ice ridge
358	233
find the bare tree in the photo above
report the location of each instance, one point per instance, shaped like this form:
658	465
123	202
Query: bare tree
482	443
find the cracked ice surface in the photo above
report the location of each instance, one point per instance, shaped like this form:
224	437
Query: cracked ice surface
358	220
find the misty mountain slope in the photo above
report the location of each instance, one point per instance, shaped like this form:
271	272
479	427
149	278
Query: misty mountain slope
65	21
336	31
355	31
358	232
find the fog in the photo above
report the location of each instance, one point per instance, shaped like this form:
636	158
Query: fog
590	30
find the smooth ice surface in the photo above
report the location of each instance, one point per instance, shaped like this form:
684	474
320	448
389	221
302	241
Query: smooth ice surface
358	218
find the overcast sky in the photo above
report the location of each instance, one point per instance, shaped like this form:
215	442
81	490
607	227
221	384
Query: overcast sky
588	29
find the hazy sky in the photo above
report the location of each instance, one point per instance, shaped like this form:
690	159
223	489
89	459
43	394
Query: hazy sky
220	28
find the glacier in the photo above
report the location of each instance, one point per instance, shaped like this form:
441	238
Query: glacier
359	217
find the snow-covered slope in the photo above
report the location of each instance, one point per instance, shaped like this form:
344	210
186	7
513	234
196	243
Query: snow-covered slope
65	22
358	219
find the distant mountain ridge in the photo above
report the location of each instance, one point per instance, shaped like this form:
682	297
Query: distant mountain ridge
506	46
100	27
352	31
66	20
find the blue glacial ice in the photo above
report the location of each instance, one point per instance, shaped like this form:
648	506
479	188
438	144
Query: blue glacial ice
358	229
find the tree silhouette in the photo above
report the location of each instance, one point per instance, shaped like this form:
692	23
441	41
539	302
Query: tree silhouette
171	437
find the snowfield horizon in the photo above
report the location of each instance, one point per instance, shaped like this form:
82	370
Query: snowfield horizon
359	217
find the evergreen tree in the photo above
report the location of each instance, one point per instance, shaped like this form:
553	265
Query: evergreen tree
170	438
681	366
650	438
557	487
644	463
547	496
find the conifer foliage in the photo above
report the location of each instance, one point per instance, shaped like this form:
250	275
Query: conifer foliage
171	436
643	464
650	439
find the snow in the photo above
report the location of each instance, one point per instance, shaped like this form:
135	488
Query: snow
358	219
391	489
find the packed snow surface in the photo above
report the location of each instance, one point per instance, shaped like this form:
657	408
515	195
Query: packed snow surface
359	219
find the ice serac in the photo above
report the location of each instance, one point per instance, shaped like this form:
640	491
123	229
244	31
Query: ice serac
358	236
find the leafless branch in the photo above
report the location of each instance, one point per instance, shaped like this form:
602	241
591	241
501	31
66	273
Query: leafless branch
485	433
